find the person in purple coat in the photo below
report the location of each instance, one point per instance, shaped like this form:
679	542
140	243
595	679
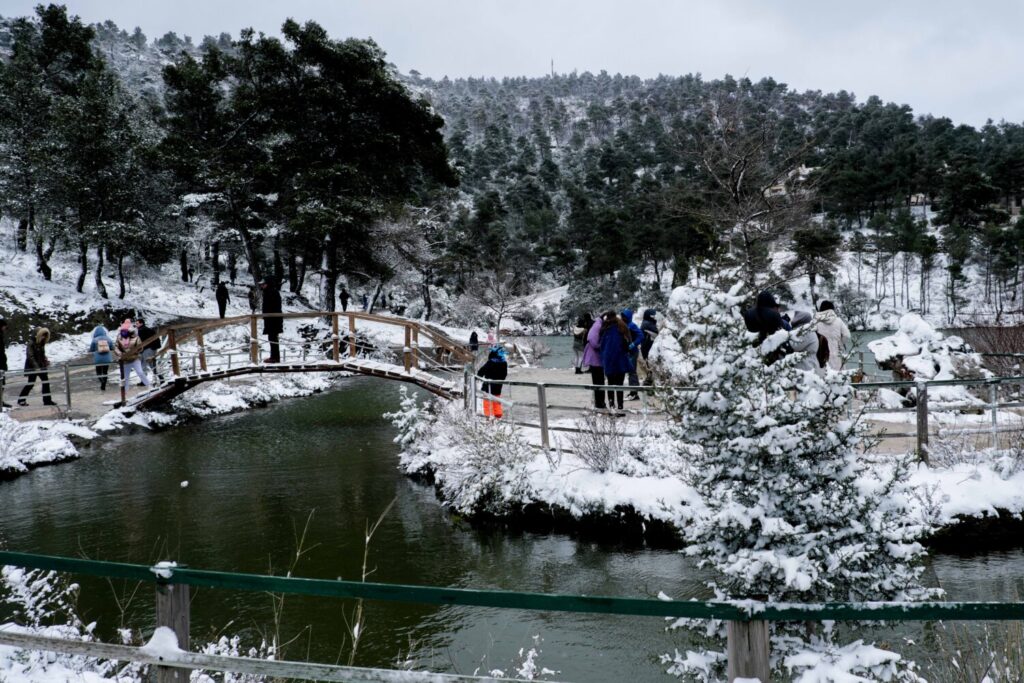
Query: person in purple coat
615	348
592	359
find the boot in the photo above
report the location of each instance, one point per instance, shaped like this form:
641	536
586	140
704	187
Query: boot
579	371
22	402
49	402
633	396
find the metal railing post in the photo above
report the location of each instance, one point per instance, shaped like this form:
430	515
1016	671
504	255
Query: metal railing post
193	365
172	611
67	386
922	422
542	402
120	369
467	374
993	399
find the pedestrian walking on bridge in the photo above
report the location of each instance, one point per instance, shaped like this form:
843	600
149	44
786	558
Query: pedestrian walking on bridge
223	297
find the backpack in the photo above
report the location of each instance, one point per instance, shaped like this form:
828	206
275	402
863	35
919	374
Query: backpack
822	350
103	345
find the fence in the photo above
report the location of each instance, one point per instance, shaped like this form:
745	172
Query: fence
748	632
995	388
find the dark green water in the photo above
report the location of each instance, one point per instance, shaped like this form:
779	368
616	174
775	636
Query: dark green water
255	477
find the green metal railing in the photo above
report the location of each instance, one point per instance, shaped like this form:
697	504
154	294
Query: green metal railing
747	619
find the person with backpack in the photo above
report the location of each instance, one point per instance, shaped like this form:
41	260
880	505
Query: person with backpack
36	363
102	349
592	359
636	340
223	297
835	331
615	343
579	340
650	327
128	351
496	368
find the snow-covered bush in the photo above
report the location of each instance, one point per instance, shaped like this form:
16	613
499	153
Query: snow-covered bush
603	445
25	444
794	511
479	466
918	351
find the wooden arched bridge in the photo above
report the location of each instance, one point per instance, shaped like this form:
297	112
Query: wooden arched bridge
196	352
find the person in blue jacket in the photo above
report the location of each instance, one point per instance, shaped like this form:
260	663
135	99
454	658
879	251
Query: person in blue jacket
102	347
615	342
636	340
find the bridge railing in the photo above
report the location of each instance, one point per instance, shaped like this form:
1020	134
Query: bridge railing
1000	392
748	620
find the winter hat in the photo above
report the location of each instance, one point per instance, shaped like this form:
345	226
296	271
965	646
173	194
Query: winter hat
827	306
650	314
766	300
627	315
42	335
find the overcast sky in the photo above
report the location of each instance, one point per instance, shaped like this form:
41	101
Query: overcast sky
946	57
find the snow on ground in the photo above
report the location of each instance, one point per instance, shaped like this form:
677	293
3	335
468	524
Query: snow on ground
29	444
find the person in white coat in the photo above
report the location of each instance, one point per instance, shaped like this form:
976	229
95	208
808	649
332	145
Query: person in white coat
832	328
804	339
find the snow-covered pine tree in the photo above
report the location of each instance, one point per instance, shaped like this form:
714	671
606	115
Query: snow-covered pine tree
796	512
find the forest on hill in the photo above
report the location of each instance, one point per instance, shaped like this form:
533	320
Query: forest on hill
310	157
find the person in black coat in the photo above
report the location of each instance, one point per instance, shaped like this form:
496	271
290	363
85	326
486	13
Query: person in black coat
765	318
344	296
474	341
272	326
223	296
36	363
496	367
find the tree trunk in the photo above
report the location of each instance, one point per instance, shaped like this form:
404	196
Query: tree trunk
278	263
251	254
100	287
301	280
83	259
328	274
42	260
812	278
183	263
21	236
293	272
216	263
428	304
120	276
376	295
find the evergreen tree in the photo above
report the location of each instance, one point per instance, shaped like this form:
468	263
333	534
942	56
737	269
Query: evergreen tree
795	511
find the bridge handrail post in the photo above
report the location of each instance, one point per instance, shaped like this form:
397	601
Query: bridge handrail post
202	350
922	422
748	649
467	379
542	402
254	342
172	611
993	399
67	386
407	351
172	345
351	335
335	341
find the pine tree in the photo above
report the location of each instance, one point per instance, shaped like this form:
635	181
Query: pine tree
795	511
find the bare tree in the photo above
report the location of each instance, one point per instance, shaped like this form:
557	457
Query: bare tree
499	292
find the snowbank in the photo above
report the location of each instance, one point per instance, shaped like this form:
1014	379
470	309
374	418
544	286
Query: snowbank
30	444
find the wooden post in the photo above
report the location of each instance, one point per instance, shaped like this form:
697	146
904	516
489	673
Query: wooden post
408	348
993	399
542	402
748	649
172	348
416	345
172	611
202	350
351	336
254	343
467	394
922	422
336	343
67	386
124	389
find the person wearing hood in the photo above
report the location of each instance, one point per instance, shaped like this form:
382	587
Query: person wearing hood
615	343
496	368
272	326
765	318
474	341
835	331
102	349
128	351
36	363
649	325
804	339
636	340
592	359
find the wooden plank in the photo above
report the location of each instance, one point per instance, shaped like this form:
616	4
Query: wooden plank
185	661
